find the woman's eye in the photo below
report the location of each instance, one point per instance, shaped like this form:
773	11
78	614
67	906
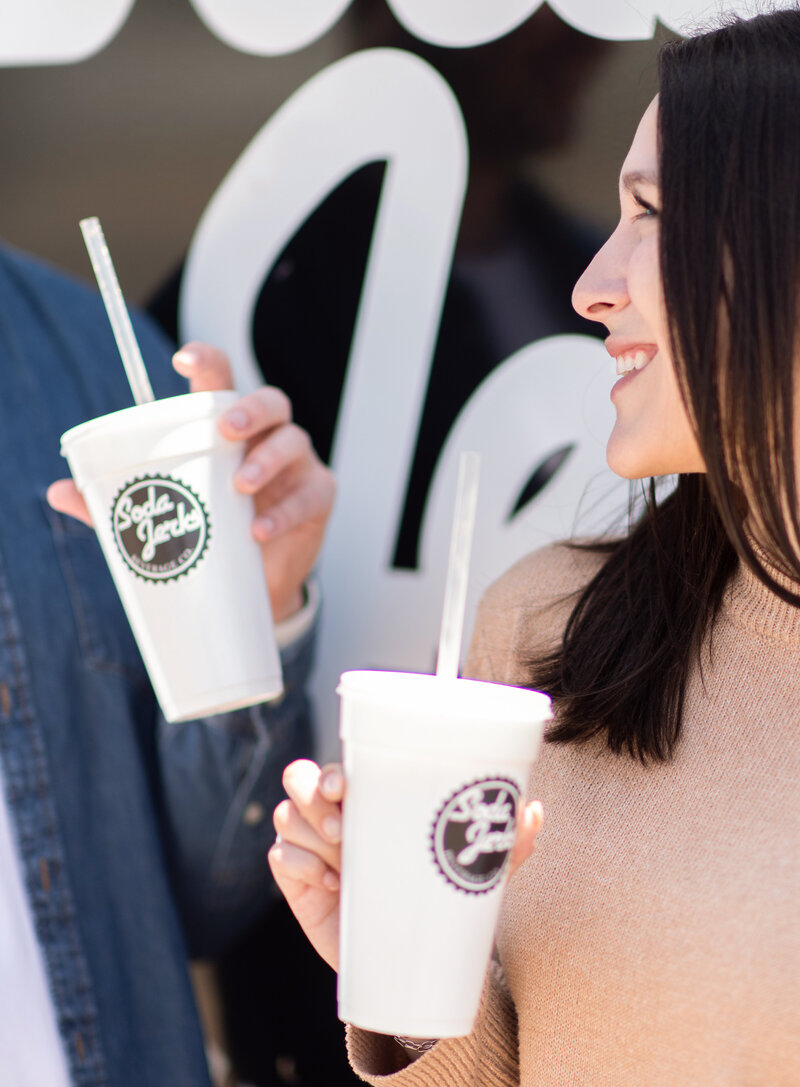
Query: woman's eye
647	212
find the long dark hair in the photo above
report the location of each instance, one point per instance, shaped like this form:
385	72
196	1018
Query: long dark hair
729	161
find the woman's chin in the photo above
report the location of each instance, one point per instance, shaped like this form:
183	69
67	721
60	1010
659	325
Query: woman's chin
637	456
625	462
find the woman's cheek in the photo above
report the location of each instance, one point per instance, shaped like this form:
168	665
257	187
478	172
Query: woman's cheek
644	283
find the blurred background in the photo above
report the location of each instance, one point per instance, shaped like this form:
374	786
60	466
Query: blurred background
143	133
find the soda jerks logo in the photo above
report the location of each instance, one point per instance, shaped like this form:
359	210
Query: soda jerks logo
474	832
161	527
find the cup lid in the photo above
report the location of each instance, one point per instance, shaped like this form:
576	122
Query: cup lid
427	713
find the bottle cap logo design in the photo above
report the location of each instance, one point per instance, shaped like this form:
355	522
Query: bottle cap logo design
161	527
473	833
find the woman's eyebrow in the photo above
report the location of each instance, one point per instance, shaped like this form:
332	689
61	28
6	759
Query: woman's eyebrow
638	177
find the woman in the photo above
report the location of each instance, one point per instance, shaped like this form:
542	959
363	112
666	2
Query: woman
654	937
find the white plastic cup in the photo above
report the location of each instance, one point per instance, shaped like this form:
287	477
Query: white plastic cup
435	769
158	481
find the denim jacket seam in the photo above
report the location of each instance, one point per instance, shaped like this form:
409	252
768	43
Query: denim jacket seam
84	1021
271	727
234	818
93	661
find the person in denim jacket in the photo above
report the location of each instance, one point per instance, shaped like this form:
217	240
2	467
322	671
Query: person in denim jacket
127	845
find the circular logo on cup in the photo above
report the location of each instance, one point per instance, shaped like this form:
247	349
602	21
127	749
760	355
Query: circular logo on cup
161	527
473	834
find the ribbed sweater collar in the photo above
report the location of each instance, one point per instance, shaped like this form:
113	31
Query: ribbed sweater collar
752	606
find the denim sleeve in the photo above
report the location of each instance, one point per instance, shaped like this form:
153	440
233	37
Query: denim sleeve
221	779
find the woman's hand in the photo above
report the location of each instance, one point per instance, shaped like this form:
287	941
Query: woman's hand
529	823
292	489
306	857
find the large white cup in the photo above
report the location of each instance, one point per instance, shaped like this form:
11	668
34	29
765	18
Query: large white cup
158	481
434	770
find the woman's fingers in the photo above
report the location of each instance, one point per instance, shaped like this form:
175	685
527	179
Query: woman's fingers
331	782
65	497
319	811
309	825
312	892
300	868
305	858
291	827
529	823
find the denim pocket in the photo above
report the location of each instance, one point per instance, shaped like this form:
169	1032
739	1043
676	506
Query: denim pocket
104	634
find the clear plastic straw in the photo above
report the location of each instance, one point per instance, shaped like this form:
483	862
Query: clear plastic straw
116	310
455	593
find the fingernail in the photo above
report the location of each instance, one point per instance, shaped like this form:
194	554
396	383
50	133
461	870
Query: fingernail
184	358
332	827
264	528
250	472
331	881
236	418
332	784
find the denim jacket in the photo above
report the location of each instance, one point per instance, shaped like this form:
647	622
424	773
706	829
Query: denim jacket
141	842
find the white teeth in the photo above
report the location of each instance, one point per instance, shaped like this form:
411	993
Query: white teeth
636	360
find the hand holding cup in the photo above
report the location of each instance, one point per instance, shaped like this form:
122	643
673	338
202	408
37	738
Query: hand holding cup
306	857
292	489
432	826
170	486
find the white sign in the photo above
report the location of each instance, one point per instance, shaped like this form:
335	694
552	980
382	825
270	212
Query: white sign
271	27
388	105
277	26
54	32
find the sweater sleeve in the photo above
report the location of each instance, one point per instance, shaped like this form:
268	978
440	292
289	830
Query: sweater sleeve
488	1057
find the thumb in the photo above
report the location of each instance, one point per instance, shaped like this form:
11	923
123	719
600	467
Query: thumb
65	497
529	824
206	367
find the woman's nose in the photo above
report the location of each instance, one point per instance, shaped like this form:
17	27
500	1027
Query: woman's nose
603	286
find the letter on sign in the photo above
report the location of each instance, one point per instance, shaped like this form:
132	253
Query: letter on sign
463	23
56	32
272	27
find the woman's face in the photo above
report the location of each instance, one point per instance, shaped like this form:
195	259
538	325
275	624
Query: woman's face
621	288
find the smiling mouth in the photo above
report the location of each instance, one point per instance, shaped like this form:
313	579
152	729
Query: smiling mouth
633	360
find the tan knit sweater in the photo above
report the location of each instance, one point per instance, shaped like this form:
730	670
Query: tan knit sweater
653	939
